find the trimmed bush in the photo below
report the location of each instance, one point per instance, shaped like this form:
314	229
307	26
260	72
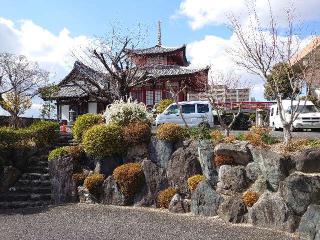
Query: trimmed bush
83	123
230	139
103	140
9	138
217	136
130	178
194	181
136	133
43	132
40	133
123	113
199	133
220	160
163	104
79	178
170	132
58	152
94	184
250	198
165	196
76	154
260	136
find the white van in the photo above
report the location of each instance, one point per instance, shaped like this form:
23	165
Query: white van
195	113
308	118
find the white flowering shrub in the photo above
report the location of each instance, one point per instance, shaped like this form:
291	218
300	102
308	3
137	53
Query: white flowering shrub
122	113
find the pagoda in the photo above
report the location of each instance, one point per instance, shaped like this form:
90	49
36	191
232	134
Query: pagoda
169	73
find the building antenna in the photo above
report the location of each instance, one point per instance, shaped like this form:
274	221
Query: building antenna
159	33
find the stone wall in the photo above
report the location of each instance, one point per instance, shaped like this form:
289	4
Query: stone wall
286	188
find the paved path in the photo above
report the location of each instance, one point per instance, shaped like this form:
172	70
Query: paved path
108	222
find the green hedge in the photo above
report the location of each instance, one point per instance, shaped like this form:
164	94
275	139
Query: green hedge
41	133
11	138
44	132
104	140
83	123
58	152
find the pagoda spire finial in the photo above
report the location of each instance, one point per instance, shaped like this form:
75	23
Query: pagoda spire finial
159	33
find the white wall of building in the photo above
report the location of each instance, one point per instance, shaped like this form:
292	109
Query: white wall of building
65	112
92	107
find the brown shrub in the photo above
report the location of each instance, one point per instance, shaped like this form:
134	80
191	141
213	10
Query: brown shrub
230	139
260	136
217	136
170	132
194	181
254	139
136	133
220	160
94	183
165	196
130	178
250	198
78	156
79	178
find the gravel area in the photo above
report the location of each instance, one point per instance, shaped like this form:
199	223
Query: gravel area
79	221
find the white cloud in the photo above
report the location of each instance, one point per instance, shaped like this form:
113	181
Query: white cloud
213	51
215	12
51	51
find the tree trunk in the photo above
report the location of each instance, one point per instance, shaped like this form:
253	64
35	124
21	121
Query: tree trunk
227	132
287	136
15	121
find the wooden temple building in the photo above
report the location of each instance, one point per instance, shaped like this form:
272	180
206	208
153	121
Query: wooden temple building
166	67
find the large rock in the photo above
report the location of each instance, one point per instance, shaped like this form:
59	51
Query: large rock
205	152
259	186
233	209
137	152
8	177
274	167
271	211
232	179
112	194
63	187
160	151
205	200
106	165
85	196
309	227
300	190
183	164
155	181
253	171
179	205
308	161
238	150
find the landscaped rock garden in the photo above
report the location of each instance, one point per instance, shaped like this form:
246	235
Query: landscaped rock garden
243	179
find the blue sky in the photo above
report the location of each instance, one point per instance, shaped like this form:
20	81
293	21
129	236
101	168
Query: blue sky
46	30
93	18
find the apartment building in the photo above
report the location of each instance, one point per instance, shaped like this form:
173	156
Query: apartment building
224	94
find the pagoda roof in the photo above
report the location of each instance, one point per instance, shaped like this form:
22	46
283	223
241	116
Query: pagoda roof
71	91
80	73
171	70
158	49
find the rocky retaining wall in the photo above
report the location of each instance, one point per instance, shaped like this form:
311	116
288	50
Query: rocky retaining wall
284	191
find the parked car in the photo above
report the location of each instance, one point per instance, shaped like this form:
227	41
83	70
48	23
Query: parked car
195	113
308	118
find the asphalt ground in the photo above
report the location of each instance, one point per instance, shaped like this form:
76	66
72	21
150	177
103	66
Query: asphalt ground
81	221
